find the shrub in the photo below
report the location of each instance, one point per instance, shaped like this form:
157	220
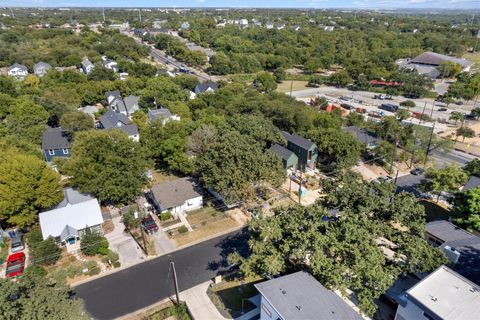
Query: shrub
45	252
93	243
94	271
130	221
111	258
167	215
182	229
74	270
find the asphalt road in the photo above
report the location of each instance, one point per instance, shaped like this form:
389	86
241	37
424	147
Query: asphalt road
144	284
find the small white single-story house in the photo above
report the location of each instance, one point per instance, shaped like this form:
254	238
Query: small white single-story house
163	115
176	196
18	71
41	68
68	221
87	66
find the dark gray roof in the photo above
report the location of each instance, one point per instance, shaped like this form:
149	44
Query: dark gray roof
362	135
55	138
115	94
298	140
174	193
131	103
159	113
202	87
473	182
436	59
467	244
112	119
281	151
299	296
130	129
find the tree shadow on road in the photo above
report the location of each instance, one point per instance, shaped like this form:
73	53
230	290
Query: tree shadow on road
236	243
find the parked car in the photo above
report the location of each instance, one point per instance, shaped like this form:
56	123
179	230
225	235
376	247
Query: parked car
442	109
17	243
149	224
345	98
15	264
417	171
388	107
347	106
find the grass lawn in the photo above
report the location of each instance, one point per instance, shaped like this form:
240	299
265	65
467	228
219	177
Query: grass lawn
206	214
3	249
227	296
473	57
204	230
160	176
296	86
172	313
434	211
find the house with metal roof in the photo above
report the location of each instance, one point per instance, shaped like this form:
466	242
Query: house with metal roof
289	159
444	294
87	66
177	196
56	142
208	86
300	296
304	149
116	120
41	68
461	247
18	71
67	222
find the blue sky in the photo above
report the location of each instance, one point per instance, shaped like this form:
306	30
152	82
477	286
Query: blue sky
385	4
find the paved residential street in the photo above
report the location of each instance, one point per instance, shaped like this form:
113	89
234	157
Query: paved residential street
144	284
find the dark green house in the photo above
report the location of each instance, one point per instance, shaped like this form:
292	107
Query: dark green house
304	149
289	159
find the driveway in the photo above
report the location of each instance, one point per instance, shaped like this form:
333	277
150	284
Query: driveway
128	250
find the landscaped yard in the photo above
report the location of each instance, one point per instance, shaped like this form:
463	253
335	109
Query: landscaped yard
228	296
295	86
172	313
205	222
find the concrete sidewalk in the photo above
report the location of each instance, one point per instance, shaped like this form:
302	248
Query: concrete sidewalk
200	305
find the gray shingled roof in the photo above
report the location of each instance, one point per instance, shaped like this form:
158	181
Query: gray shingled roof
159	113
19	66
202	87
111	119
131	103
174	193
72	196
281	151
298	140
361	134
55	138
41	65
473	182
299	296
467	244
433	58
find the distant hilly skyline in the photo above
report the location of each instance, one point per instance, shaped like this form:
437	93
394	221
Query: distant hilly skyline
371	4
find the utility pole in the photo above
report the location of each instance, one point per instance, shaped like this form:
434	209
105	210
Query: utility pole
429	142
103	14
291	87
175	282
423	112
431	112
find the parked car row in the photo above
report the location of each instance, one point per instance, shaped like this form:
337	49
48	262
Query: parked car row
15	263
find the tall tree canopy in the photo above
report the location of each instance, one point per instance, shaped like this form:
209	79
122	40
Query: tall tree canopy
108	164
27	186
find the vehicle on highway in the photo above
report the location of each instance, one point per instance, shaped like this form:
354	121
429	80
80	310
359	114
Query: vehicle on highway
15	265
388	107
149	225
442	109
347	106
417	171
17	243
344	98
382	97
184	70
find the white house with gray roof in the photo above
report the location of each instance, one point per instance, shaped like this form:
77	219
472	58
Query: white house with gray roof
109	64
177	196
18	71
68	221
41	68
163	115
131	104
299	296
87	66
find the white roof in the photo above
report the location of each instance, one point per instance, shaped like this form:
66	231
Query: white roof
448	295
78	215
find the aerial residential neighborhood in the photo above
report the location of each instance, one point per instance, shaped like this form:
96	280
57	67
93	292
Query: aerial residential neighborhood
215	162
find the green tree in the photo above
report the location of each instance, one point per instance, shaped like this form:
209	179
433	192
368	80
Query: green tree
27	121
448	179
93	243
473	167
467	208
108	164
408	104
457	116
130	221
340	79
465	132
45	252
102	74
476	112
75	121
27	186
265	82
402	114
337	150
279	74
234	162
449	69
33	296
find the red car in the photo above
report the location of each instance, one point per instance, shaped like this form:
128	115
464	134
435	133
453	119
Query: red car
149	224
15	264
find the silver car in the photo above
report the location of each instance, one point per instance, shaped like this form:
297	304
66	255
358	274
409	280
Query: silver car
17	244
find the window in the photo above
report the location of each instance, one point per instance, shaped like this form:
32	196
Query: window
65	151
51	152
310	155
267	311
